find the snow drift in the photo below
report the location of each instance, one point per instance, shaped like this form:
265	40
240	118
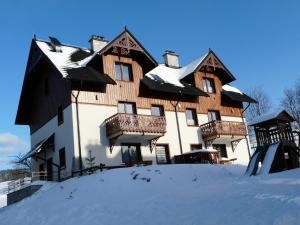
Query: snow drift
171	194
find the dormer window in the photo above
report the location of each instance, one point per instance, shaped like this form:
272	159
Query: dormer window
123	71
209	85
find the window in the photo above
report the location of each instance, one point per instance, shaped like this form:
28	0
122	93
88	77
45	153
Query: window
126	107
157	110
213	115
209	85
222	149
60	115
162	154
191	117
196	147
123	71
62	158
46	86
131	154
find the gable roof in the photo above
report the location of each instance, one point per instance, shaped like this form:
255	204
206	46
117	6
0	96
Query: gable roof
279	115
176	75
125	40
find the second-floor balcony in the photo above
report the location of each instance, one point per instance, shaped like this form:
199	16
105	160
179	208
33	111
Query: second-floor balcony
134	124
225	129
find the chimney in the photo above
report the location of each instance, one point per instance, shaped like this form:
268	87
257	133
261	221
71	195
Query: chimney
171	59
97	43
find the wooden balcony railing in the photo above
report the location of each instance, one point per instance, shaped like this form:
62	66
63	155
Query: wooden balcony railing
213	129
122	122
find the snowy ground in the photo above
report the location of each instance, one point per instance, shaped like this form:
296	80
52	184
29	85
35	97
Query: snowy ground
3	191
171	194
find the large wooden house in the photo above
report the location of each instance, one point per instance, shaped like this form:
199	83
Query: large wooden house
115	101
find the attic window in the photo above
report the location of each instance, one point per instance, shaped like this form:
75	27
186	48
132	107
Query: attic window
209	85
123	71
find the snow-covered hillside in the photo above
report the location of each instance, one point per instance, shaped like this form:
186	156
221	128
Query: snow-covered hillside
171	194
3	192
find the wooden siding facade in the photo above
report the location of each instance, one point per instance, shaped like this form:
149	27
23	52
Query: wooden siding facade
45	103
131	91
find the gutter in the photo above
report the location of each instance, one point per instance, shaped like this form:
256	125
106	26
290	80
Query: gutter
78	127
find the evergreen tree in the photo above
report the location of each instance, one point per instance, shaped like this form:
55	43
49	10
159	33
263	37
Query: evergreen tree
90	159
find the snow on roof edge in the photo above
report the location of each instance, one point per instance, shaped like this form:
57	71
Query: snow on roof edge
230	88
265	117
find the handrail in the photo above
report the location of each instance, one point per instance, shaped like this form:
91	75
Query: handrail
122	122
220	127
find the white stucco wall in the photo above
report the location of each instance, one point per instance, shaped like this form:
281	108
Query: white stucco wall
93	135
63	138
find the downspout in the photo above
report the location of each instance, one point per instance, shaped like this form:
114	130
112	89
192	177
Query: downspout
247	141
178	127
78	128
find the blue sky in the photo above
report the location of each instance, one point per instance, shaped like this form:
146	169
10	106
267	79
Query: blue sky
257	40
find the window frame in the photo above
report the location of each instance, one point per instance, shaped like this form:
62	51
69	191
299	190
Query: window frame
125	108
62	157
215	146
122	65
161	110
139	153
212	84
194	114
218	115
167	152
194	145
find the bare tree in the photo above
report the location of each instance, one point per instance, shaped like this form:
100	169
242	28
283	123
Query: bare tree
21	164
291	102
263	105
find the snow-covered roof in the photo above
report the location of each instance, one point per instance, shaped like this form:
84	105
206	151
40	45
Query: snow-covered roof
201	150
174	75
268	117
61	59
230	88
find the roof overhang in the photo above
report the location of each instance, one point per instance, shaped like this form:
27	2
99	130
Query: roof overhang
89	75
40	147
171	88
240	97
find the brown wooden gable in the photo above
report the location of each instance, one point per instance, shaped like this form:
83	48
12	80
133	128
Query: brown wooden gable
211	63
126	45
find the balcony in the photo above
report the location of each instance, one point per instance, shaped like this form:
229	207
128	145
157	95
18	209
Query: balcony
223	130
135	127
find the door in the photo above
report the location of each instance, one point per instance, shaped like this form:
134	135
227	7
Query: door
49	169
222	149
131	154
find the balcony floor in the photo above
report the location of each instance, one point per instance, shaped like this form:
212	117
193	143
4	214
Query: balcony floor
135	136
226	139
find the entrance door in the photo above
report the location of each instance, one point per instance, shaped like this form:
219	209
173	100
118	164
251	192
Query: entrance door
131	154
49	170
